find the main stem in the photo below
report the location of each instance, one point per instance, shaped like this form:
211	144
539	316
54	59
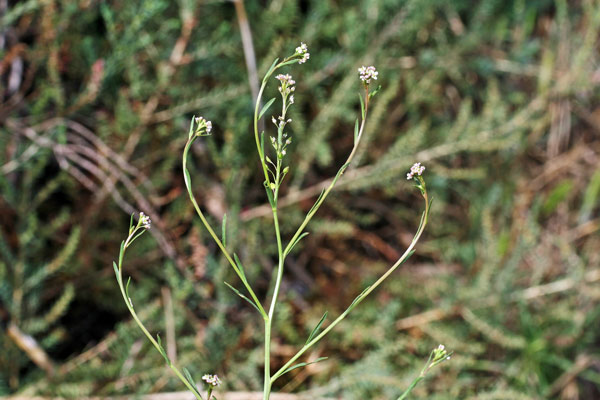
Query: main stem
268	321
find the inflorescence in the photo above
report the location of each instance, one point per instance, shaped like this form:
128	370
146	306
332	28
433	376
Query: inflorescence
203	127
416	169
287	84
145	221
302	50
212	380
367	73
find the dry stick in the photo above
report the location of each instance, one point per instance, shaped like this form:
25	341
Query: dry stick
169	323
582	362
30	347
59	151
533	292
249	54
73	153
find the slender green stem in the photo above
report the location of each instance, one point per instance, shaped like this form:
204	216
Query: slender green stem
404	256
431	362
277	178
268	325
341	171
261	156
411	387
267	367
137	320
212	233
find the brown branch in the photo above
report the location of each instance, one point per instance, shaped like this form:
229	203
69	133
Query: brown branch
249	54
30	347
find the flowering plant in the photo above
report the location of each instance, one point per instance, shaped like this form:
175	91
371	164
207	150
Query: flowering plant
275	171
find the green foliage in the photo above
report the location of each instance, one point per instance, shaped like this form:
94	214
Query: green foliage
497	98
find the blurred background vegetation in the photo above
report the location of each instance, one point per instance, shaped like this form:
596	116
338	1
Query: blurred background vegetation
498	98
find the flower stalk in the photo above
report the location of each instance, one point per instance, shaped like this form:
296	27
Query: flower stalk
274	171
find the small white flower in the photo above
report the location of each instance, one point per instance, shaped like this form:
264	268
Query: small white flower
203	126
367	73
287	83
292	99
417	169
212	380
145	220
302	50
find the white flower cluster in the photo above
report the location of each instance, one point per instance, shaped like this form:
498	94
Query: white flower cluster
212	380
203	126
282	121
145	220
280	148
367	73
287	84
302	50
416	169
441	353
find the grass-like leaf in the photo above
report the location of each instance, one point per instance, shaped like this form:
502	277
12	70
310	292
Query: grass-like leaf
303	364
265	108
242	296
316	329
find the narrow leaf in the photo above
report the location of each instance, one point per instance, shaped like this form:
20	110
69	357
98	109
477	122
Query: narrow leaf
224	230
303	364
242	296
190	380
265	108
317	202
269	194
374	92
127	287
262	142
356	131
302	236
188	181
116	271
161	350
240	267
191	132
121	253
408	256
358	298
289	62
270	71
362	106
314	331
